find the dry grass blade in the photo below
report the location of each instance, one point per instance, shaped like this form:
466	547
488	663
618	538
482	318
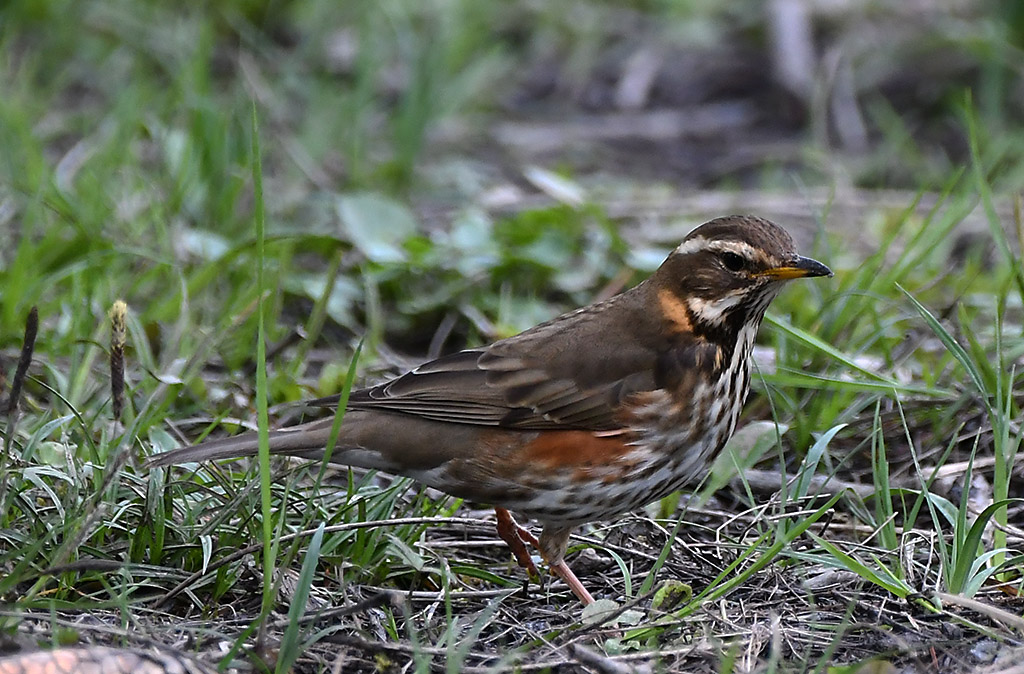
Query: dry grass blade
28	345
117	341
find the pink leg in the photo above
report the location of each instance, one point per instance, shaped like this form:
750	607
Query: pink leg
516	538
563	571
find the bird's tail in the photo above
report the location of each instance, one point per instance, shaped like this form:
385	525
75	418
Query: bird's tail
304	440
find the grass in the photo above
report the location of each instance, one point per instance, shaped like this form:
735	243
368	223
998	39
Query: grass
370	214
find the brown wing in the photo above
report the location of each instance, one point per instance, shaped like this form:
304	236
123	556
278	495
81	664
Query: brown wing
479	387
569	373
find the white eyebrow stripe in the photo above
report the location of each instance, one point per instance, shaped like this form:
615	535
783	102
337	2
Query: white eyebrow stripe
699	243
742	249
692	245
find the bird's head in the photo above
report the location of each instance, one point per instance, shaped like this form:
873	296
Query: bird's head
724	274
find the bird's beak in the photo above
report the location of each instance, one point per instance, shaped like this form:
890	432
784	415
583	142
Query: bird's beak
798	268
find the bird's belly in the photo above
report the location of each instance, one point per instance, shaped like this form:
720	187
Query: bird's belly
669	447
573	492
571	477
579	497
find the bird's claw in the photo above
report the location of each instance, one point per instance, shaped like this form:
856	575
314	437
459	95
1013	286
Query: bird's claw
516	537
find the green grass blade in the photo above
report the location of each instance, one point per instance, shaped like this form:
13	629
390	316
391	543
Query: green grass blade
718	588
970	550
263	420
957	351
814	342
884	580
289	651
339	411
810	464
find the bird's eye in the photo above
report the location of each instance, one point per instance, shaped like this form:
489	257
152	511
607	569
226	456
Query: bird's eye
733	262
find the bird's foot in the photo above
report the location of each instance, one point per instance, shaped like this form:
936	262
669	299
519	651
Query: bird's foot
516	537
563	571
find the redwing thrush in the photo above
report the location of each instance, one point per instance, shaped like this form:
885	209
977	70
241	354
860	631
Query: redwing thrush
584	417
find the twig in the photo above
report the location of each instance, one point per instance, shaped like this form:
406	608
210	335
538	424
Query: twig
770	481
603	664
27	347
392	597
988	610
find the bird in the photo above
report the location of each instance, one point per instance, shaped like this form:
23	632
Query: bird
582	418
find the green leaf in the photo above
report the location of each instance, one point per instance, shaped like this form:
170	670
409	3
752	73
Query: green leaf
745	448
377	225
599	611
